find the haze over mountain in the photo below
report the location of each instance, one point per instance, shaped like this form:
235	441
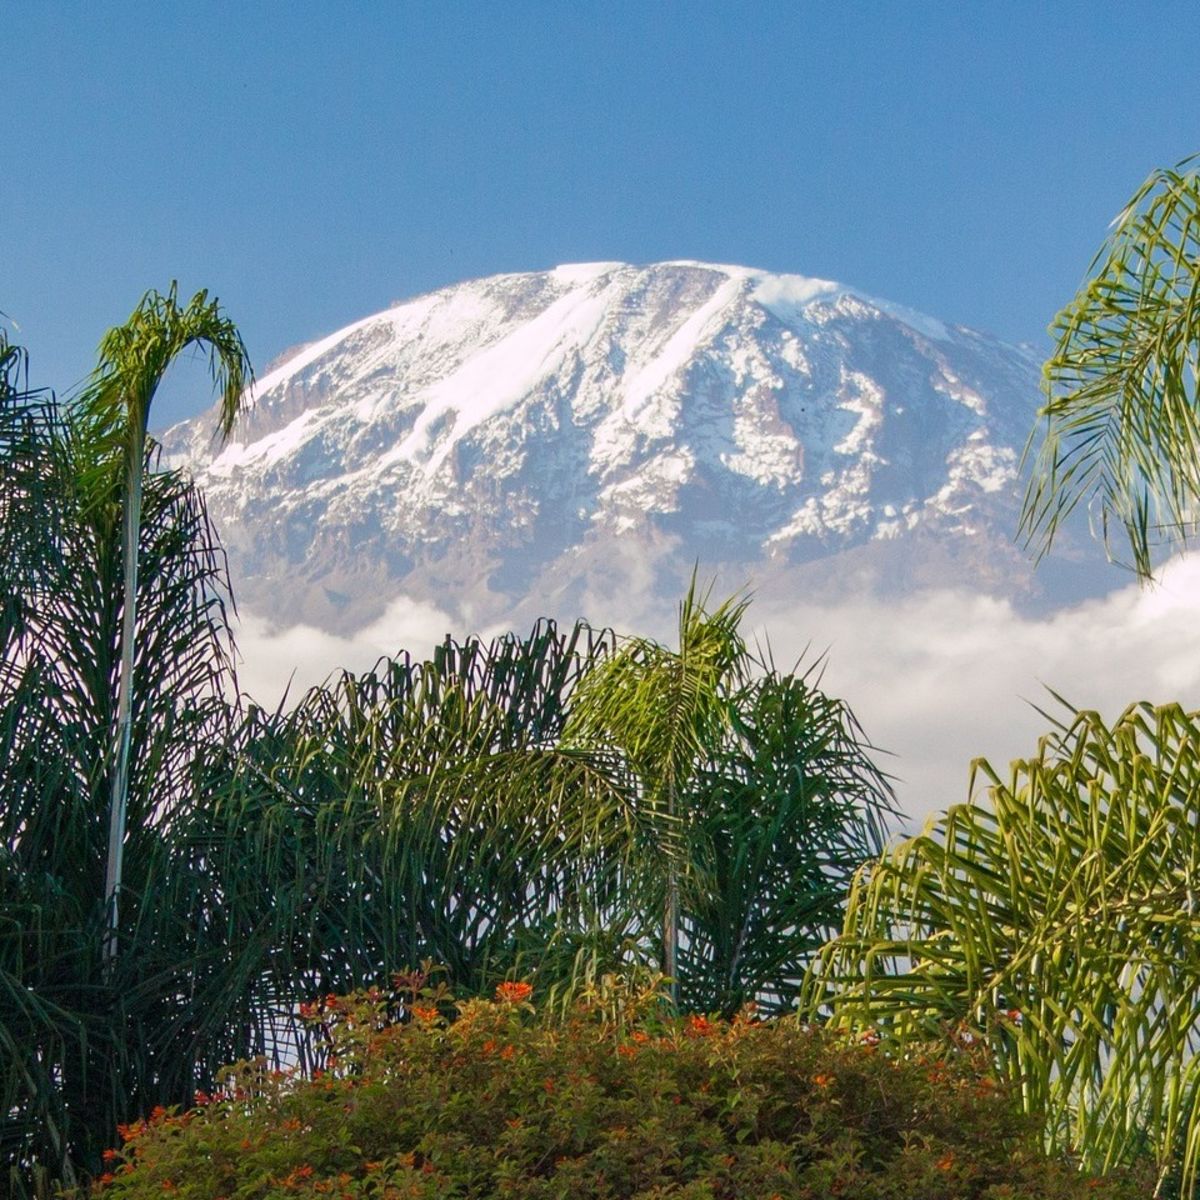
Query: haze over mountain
525	443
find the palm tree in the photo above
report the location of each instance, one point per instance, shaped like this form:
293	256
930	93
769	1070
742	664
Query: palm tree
666	710
1056	916
84	1045
784	810
473	810
133	359
1122	416
420	810
759	794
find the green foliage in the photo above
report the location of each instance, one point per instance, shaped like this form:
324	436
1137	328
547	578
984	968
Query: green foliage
471	809
451	810
666	711
1058	920
79	1051
780	815
484	1099
133	360
1122	420
421	810
760	796
491	809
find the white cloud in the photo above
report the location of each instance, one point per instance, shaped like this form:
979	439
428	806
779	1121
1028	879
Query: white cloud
300	656
937	678
942	678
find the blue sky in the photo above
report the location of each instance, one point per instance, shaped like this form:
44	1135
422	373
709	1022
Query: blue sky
312	163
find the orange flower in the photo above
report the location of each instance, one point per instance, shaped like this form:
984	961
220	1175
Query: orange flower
823	1081
699	1026
514	993
425	1012
946	1162
109	1155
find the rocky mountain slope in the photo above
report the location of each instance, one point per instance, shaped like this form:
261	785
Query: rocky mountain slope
559	441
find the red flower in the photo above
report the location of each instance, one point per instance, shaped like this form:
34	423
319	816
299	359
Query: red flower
514	993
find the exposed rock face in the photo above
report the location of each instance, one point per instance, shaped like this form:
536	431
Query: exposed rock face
549	442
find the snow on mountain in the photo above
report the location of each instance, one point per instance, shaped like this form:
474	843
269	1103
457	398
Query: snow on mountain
537	443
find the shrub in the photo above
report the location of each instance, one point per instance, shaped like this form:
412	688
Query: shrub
485	1099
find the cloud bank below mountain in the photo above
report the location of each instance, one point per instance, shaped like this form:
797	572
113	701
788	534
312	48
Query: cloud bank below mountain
937	678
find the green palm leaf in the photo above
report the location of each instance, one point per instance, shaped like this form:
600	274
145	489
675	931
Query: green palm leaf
1058	918
1122	423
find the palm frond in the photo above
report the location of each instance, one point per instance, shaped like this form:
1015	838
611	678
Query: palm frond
1058	919
1121	419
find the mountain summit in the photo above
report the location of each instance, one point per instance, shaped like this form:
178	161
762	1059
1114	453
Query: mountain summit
522	443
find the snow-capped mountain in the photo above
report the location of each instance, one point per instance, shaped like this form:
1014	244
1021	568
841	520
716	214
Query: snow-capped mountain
514	445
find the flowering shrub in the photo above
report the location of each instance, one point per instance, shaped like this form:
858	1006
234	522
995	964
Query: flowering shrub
485	1099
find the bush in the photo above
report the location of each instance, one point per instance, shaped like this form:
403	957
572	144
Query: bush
485	1099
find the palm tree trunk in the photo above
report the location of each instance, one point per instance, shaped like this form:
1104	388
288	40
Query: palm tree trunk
671	916
124	728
